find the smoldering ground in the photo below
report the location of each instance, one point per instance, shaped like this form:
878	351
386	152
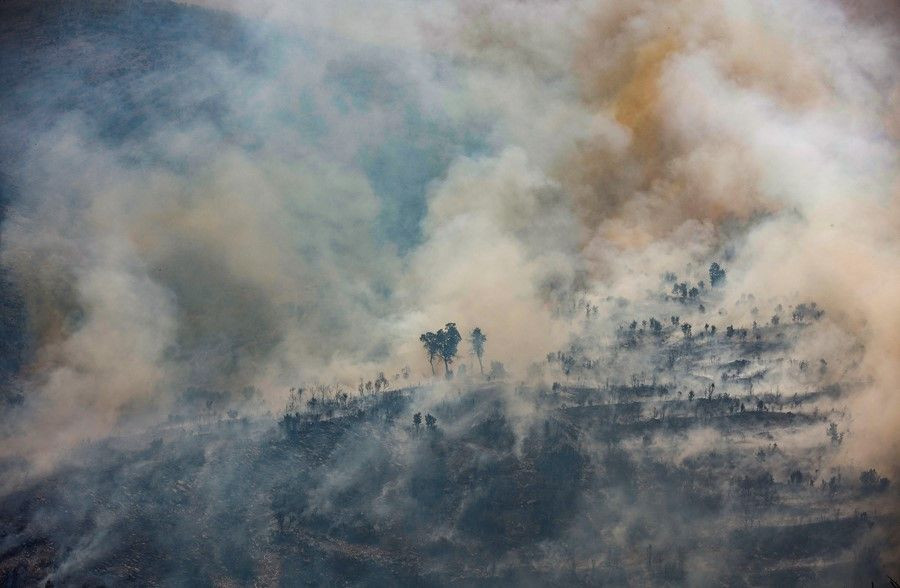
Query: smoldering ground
206	199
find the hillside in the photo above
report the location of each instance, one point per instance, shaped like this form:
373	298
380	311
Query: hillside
222	235
694	468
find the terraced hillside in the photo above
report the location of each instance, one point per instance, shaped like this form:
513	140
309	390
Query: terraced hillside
708	459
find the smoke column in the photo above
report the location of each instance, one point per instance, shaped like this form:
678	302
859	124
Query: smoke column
302	193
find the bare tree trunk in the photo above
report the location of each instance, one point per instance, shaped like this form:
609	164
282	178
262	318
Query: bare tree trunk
480	365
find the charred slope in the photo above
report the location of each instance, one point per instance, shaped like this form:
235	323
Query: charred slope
367	497
359	498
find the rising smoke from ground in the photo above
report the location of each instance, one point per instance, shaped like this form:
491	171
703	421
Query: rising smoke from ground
354	175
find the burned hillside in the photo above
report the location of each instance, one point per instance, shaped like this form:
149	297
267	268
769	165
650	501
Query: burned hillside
654	455
449	293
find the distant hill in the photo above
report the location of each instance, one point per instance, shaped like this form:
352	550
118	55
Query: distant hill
63	57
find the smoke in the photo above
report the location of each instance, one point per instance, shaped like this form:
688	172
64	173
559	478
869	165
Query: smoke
301	196
784	156
760	131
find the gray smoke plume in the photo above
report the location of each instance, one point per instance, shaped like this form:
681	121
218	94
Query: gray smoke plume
304	189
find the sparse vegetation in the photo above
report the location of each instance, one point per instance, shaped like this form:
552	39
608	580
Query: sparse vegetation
645	417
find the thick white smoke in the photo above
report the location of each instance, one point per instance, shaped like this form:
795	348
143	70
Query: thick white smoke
610	142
